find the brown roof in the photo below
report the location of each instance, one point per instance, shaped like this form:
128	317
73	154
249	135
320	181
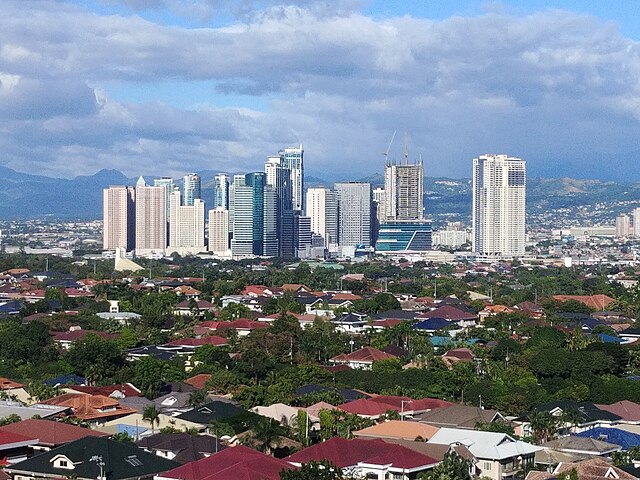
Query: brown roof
6	384
448	312
594	469
398	429
625	409
90	407
598	302
50	433
457	416
364	355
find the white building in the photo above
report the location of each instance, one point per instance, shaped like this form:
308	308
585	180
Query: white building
499	188
119	217
322	208
191	189
622	226
151	219
636	222
354	219
221	191
219	232
186	226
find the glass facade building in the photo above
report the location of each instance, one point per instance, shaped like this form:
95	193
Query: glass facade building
404	236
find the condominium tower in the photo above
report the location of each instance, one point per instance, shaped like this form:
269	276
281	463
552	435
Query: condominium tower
151	218
322	208
221	191
403	192
499	188
119	218
186	226
191	188
354	219
293	159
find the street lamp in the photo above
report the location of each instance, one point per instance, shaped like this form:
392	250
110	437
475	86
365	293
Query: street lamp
100	462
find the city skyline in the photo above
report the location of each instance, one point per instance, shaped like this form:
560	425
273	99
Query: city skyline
112	84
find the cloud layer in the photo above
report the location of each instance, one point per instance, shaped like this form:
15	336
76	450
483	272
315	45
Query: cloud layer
557	88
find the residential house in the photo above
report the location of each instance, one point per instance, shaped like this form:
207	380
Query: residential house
460	417
492	310
352	322
361	359
10	407
455	355
181	447
235	463
118	391
592	469
581	446
586	414
49	434
280	412
90	408
367	458
76	334
498	455
617	436
14	447
597	302
92	457
451	313
137	427
398	429
193	307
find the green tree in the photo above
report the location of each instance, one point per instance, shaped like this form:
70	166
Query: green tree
197	398
148	376
265	435
152	415
452	467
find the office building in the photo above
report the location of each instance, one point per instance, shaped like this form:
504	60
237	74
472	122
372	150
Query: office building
219	231
322	209
403	192
191	188
622	226
302	234
379	204
499	188
151	218
221	191
119	218
186	226
270	239
241	215
414	236
354	218
168	183
278	177
293	159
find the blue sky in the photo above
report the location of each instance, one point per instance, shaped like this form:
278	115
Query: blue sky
162	87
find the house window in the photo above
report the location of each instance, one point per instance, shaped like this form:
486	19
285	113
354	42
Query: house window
63	463
487	465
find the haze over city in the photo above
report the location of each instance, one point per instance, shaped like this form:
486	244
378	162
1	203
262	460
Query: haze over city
165	87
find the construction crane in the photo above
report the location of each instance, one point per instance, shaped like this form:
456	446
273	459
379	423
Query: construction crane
386	154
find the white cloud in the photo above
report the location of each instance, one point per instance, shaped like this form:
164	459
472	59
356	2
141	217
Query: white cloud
550	86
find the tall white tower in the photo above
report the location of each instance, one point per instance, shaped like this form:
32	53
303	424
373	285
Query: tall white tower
322	208
403	191
151	218
354	220
499	200
186	226
119	218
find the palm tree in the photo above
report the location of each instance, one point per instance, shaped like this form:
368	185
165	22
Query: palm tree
197	398
543	425
266	435
152	415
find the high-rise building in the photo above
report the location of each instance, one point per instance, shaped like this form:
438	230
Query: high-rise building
322	208
168	183
191	188
186	226
279	178
219	231
270	240
293	159
119	218
354	219
499	189
403	192
302	234
622	226
221	191
636	222
404	235
151	218
241	215
379	203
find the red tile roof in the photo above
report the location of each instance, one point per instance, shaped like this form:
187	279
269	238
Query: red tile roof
198	342
6	384
235	463
127	389
75	335
90	407
364	355
50	433
10	439
242	324
198	381
346	453
365	407
410	404
460	354
627	410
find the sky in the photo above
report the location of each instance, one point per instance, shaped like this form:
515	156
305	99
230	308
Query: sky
164	87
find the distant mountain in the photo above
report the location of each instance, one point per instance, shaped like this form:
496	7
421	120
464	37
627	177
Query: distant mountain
26	196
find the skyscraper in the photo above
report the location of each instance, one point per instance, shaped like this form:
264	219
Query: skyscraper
165	182
191	188
279	178
322	208
499	189
186	226
242	212
151	218
622	226
636	222
221	191
119	218
354	220
403	192
293	159
219	231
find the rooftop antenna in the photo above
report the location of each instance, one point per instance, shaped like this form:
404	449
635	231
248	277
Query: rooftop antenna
406	149
386	154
